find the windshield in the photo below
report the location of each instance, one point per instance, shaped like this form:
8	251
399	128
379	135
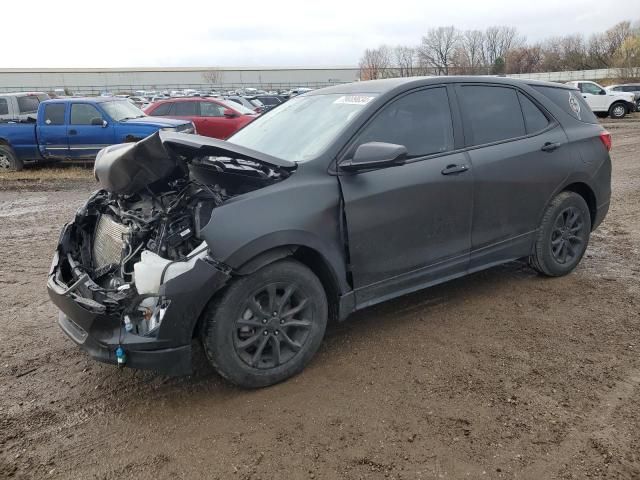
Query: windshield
122	110
237	107
303	127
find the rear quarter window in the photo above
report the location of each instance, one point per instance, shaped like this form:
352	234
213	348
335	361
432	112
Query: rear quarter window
534	119
570	101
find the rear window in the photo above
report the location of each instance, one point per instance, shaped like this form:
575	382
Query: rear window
28	104
4	106
270	100
493	113
570	101
54	114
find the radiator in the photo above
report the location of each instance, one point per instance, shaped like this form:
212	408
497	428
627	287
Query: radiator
108	242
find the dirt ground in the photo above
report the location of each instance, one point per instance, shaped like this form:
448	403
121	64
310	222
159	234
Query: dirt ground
503	374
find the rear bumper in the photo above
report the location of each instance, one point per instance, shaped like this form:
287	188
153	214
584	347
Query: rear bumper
100	331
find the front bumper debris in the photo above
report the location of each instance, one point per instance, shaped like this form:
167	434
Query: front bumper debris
99	330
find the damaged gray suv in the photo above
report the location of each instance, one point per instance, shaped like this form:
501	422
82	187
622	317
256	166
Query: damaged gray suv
336	200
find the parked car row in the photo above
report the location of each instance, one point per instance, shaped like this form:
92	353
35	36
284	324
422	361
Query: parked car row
77	128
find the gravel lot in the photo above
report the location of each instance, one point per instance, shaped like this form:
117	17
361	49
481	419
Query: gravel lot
503	374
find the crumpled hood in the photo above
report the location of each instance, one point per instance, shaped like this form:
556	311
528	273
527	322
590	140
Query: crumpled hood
127	168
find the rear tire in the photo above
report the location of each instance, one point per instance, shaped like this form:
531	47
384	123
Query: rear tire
617	110
9	161
267	325
563	235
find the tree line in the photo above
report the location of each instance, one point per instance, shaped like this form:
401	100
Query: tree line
503	50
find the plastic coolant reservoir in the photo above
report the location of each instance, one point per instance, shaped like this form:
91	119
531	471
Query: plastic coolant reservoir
148	271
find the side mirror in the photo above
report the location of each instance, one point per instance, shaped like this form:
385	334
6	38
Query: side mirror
375	155
98	121
229	113
603	92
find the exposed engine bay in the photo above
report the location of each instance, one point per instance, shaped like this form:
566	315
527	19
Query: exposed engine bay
143	228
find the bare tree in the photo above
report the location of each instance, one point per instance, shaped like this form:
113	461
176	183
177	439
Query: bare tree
376	63
627	58
500	49
617	35
438	47
405	60
212	76
524	59
498	40
469	55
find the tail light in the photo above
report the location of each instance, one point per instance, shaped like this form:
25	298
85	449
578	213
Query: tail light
605	138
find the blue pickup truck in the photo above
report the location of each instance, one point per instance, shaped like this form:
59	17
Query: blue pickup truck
77	129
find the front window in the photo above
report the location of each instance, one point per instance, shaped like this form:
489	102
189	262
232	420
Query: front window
122	110
302	128
84	114
591	88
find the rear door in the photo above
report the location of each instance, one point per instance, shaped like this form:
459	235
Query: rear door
52	131
519	156
409	225
88	130
187	110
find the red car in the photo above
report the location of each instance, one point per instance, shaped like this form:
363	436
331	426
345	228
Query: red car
212	117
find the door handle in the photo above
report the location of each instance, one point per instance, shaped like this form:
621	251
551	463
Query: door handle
550	147
73	132
452	169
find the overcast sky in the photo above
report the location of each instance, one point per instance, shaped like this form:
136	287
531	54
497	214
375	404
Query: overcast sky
116	33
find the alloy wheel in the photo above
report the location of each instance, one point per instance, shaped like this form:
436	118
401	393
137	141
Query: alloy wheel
567	236
274	325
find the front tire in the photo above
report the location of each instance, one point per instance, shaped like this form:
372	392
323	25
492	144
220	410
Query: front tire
9	161
618	110
563	235
266	326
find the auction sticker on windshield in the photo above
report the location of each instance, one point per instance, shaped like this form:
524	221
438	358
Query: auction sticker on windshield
354	99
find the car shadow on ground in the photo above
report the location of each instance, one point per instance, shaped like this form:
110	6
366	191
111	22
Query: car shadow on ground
360	326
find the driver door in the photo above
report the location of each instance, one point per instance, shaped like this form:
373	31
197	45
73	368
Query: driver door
86	131
409	225
595	96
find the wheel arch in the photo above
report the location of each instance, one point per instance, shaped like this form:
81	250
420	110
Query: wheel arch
309	257
619	102
589	196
